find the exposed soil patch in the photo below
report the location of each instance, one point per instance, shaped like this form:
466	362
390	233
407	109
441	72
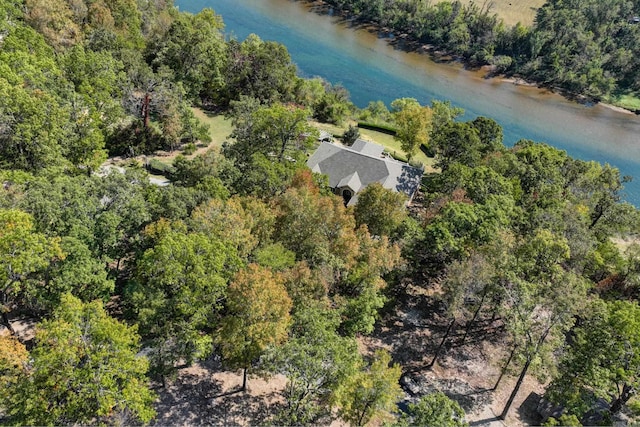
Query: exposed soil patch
205	394
411	331
466	372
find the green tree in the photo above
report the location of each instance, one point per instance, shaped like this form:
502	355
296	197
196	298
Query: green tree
461	227
63	205
434	409
181	282
124	210
273	131
262	177
350	135
194	48
468	285
258	69
400	104
541	173
540	302
490	134
602	361
479	183
32	128
382	210
443	113
98	80
563	420
80	273
333	106
275	257
227	221
376	111
315	361
370	394
257	316
24	256
199	169
83	369
413	126
457	142
308	92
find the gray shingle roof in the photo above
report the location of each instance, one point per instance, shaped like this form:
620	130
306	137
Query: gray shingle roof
366	147
343	164
352	181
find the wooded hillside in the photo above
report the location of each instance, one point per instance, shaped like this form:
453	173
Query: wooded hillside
248	257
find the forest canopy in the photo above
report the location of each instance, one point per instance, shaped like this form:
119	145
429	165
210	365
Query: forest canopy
248	258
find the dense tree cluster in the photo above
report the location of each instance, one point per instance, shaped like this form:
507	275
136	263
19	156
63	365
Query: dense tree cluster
515	233
587	47
249	256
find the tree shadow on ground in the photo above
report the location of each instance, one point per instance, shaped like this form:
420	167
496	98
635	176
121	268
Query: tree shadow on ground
199	397
529	409
413	328
237	409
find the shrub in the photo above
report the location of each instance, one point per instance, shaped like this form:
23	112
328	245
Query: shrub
351	135
389	130
189	148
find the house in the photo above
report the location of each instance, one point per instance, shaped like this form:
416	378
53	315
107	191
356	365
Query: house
351	169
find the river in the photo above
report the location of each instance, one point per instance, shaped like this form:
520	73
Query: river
371	69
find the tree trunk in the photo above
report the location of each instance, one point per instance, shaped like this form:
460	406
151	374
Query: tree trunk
504	368
7	323
473	319
507	406
244	380
530	357
627	393
599	213
444	340
145	110
363	413
4	307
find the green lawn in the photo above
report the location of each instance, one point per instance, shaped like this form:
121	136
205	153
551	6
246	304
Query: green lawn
219	127
628	101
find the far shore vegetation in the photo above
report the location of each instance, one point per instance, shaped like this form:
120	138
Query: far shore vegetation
586	48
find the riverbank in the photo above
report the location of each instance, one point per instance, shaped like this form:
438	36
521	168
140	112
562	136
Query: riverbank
344	53
405	42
